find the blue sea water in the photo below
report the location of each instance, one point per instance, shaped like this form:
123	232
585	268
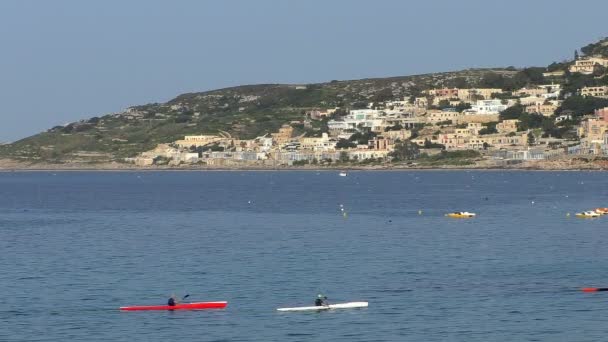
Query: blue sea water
74	246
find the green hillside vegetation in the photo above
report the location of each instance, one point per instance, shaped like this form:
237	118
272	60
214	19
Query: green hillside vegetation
249	111
244	112
599	48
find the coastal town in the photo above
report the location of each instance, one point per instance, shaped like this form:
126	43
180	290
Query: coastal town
496	127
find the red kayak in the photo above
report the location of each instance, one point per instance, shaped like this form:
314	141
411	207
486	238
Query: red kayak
184	306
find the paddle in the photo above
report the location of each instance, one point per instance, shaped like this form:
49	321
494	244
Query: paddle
184	297
179	301
594	289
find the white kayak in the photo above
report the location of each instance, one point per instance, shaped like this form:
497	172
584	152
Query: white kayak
350	305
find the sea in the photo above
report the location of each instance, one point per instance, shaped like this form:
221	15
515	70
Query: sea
75	246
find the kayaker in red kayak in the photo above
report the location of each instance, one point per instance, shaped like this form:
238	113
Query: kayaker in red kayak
172	301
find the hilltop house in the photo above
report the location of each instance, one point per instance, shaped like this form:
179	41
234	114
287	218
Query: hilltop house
588	65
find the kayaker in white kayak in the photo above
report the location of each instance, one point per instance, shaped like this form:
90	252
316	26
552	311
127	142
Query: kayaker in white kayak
321	300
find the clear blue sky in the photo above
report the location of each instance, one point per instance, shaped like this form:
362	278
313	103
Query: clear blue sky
62	61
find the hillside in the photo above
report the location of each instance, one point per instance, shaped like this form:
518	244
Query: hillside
243	111
599	48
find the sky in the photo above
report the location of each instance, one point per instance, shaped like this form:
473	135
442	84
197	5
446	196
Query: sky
66	60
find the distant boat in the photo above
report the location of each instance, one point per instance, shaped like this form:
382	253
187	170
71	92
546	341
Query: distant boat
461	214
343	174
601	211
587	214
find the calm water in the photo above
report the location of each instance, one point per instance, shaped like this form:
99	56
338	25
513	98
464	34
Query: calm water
76	246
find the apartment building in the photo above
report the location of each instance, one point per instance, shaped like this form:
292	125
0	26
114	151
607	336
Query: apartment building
595	91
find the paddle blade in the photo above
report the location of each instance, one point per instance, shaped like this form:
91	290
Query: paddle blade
186	296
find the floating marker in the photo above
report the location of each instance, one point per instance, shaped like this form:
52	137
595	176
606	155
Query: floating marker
568	215
419	212
594	289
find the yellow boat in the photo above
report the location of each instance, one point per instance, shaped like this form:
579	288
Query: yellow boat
461	214
588	214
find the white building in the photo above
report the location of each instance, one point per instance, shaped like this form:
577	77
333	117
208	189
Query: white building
368	118
483	107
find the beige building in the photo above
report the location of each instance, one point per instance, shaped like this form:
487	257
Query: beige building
587	65
592	130
381	143
546	109
472	95
435	116
283	136
421	102
198	140
531	100
536	91
494	141
444	92
402	134
550	74
595	91
318	114
507	126
362	154
322	143
477	118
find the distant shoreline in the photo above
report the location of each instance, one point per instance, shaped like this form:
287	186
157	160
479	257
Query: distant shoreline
300	169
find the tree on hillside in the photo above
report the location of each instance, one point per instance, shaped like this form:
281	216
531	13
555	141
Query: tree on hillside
599	71
462	106
492	80
405	150
344	157
457	82
359	105
444	104
343	143
579	105
490	128
555	66
511	113
528	76
531	121
362	137
383	95
531	138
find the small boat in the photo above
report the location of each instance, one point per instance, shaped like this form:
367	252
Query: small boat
183	306
587	214
351	305
461	214
343	174
601	211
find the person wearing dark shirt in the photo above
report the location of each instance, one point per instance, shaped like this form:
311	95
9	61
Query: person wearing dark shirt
321	300
171	301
